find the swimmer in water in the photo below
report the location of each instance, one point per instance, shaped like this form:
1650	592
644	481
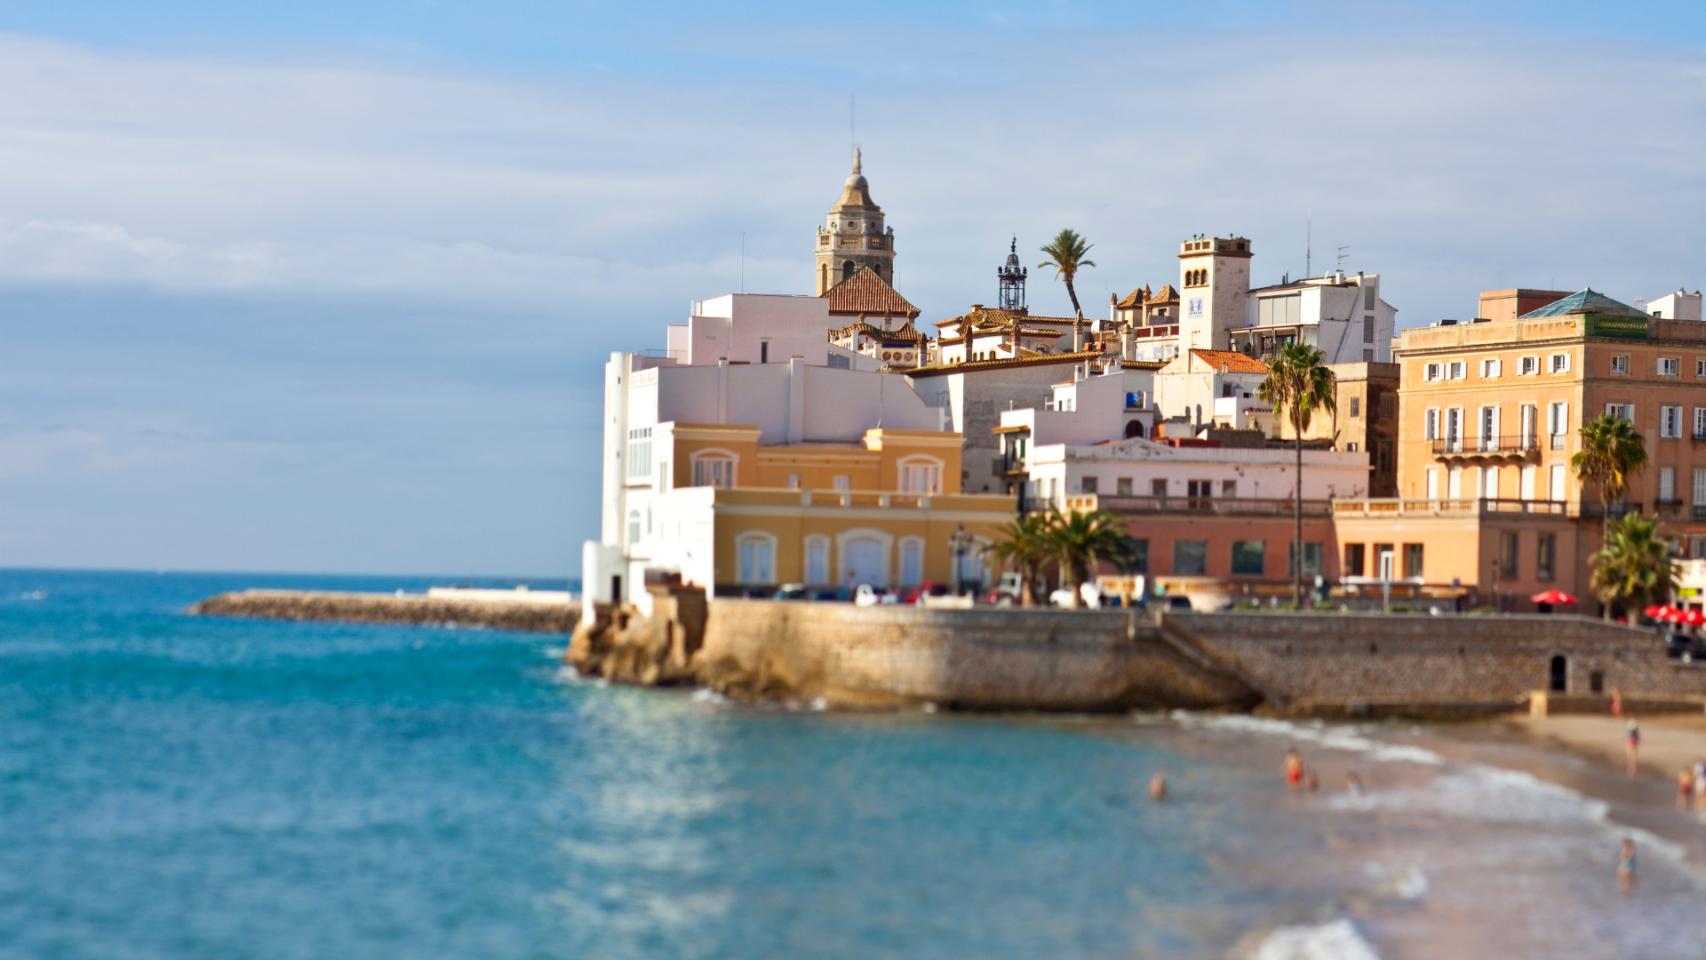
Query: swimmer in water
1293	768
1158	788
1626	866
1353	784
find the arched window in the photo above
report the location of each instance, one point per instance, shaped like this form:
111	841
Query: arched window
755	554
714	468
817	559
633	527
911	561
864	556
921	475
847	270
1560	679
823	277
1134	429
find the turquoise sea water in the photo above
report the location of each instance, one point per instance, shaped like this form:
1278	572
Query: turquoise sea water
205	788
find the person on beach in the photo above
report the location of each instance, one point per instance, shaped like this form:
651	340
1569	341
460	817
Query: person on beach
1631	747
1684	788
1626	866
1293	768
1616	702
1158	787
1353	784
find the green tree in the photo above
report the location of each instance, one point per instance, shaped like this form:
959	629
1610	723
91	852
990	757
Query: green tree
1298	385
1636	567
1025	546
1611	453
1066	254
1083	540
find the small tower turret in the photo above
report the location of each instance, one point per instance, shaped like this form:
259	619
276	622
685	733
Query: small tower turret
1012	279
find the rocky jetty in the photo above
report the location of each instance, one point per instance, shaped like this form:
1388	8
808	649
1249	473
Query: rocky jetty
534	614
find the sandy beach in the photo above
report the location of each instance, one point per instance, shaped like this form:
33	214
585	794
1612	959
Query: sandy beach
1669	742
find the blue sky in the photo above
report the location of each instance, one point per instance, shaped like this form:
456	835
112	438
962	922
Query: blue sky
328	286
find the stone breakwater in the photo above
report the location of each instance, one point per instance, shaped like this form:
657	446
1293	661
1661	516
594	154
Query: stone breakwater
441	608
1002	659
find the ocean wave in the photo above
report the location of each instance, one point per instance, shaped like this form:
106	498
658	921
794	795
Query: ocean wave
1405	881
707	695
1331	737
1336	940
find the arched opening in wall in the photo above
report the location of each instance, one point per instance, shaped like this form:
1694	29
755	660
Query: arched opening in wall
847	270
823	278
1560	680
1134	429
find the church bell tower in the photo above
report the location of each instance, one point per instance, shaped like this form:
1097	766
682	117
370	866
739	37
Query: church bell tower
854	235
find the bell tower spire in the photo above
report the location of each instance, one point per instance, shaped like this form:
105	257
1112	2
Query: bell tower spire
854	235
1012	278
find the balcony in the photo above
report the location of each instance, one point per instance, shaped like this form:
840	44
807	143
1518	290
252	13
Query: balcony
1393	507
1501	446
1196	506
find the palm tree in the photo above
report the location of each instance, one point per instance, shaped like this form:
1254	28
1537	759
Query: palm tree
1611	453
1298	384
1024	544
1083	540
1636	566
1066	254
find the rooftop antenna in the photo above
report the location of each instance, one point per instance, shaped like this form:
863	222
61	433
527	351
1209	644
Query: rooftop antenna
1339	259
1308	245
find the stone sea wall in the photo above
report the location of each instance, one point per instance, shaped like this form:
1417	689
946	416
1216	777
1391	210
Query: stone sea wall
515	613
1005	659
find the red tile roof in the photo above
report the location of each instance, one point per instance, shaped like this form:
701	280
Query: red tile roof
1230	361
865	292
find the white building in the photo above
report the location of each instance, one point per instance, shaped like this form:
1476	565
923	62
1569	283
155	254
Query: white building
1147	469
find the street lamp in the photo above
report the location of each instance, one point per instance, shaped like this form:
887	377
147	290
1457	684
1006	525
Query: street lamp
958	543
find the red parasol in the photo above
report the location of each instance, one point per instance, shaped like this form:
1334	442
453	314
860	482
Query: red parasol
1554	597
1694	617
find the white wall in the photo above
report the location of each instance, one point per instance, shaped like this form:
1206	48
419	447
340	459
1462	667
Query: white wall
735	326
1059	469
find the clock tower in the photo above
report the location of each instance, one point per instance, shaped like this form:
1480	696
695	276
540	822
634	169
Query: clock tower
1214	290
854	235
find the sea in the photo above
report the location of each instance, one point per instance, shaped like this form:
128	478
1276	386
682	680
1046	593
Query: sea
183	787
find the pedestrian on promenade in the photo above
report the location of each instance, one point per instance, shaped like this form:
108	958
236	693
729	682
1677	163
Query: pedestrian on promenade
1616	702
1685	787
1632	746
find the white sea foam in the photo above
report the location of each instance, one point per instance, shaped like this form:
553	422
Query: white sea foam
1401	882
1337	940
1331	737
820	704
929	708
704	695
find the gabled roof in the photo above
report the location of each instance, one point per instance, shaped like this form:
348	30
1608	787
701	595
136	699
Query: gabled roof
905	333
991	317
865	292
1587	300
1230	361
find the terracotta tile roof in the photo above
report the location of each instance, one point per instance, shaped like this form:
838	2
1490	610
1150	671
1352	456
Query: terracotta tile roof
865	292
980	315
1164	295
1136	298
1230	361
905	333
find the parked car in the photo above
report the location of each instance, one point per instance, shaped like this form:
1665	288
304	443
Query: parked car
865	595
1176	602
1007	592
915	595
1685	647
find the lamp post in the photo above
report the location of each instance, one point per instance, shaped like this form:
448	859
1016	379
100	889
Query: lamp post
958	543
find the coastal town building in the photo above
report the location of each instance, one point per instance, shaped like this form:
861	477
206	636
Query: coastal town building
854	235
1364	418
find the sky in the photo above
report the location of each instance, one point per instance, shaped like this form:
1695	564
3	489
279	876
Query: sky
324	286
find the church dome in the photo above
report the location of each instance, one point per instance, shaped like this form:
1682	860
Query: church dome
856	192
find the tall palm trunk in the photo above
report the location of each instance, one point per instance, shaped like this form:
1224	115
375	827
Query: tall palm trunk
1297	519
1605	538
1078	318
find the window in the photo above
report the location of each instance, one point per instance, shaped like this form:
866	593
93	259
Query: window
1489	428
922	475
1430	425
1158	487
1311	558
1558	423
1545	555
1528	365
714	470
1430	372
817	560
911	562
1433	483
1529	413
1122	486
1700	423
640	453
1229	488
1670	421
1491	368
1368	298
633	526
1087	484
1368	329
1560	363
1247	557
1353	560
764	351
1700	368
1490	483
1356	406
1622	411
1454	482
1525	481
793	481
1457	370
1700	486
1413	560
842	483
1190	558
1620	363
756	558
1670	366
1140	555
1556	490
1454	429
1667	484
1507	554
